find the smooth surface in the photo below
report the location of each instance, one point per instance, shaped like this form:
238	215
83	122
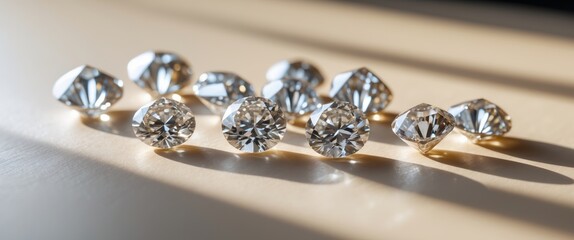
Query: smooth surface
66	178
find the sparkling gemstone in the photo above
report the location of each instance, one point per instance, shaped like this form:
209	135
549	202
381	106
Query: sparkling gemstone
218	90
337	129
295	97
296	69
164	123
423	126
480	119
253	124
362	88
159	73
88	90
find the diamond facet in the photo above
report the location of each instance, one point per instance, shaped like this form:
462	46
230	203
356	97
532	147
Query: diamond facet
362	88
423	126
164	123
159	73
218	90
253	124
88	90
295	97
480	119
337	129
296	69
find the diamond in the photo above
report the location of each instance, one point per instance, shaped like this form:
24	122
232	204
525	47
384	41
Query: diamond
337	129
253	124
159	73
423	126
88	90
296	69
163	123
362	88
295	97
218	90
480	119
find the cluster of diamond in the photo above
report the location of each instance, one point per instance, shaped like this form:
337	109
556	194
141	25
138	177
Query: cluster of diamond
255	124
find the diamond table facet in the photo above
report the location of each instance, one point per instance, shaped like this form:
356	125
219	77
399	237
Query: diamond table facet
480	119
337	129
159	73
362	88
253	124
164	123
423	126
296	69
218	90
88	90
295	97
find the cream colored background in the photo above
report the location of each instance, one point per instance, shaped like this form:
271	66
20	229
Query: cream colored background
63	178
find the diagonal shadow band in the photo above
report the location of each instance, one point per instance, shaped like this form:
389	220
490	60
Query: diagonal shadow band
103	201
552	86
498	167
532	150
274	164
457	189
403	176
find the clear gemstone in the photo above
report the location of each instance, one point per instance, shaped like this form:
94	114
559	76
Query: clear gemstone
296	98
362	88
480	119
337	129
423	126
253	124
159	73
88	90
164	123
296	69
218	90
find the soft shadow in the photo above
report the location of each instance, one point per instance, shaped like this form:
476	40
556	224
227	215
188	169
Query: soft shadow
196	106
273	164
120	203
457	189
532	150
295	139
381	128
119	123
498	167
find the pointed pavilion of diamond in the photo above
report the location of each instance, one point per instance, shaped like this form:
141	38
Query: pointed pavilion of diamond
423	126
480	119
159	73
295	97
217	90
295	69
362	88
88	90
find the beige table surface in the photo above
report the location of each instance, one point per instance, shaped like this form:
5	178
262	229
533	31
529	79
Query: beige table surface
64	178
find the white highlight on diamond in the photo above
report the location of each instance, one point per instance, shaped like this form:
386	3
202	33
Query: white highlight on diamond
295	97
295	69
423	126
160	73
480	119
163	123
253	124
362	88
337	129
88	90
217	90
